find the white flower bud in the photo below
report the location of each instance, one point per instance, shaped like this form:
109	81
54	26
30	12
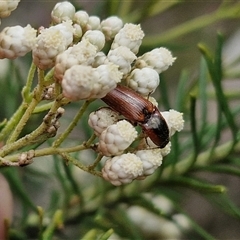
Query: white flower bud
163	203
130	36
81	17
152	100
116	138
77	82
144	81
174	120
100	59
62	11
101	119
182	221
16	41
85	82
111	26
7	6
109	76
166	150
82	53
147	143
93	23
122	169
159	59
77	34
51	42
123	57
67	31
153	225
151	159
96	38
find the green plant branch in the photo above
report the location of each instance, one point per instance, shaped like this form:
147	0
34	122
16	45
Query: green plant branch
37	96
43	108
68	158
97	160
193	122
124	8
197	184
18	129
215	69
26	91
222	13
72	125
57	222
46	151
40	215
38	135
148	10
10	125
49	77
23	113
203	159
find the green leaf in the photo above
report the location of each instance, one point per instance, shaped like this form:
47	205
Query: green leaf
16	184
215	69
197	184
225	204
193	122
181	96
203	76
56	223
91	234
222	168
107	234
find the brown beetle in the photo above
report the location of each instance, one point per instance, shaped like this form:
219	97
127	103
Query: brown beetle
139	110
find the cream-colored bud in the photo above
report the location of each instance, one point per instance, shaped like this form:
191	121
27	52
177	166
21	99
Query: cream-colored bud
81	17
111	26
174	120
16	41
96	38
50	43
116	138
131	36
101	119
122	169
82	53
151	159
93	23
159	59
144	81
63	11
123	57
7	6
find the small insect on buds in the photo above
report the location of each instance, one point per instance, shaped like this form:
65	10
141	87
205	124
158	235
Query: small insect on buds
139	110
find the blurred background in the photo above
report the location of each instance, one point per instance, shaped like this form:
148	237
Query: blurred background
38	179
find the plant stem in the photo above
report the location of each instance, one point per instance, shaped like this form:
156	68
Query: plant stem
18	129
38	135
203	159
72	125
26	91
34	102
57	222
75	162
10	125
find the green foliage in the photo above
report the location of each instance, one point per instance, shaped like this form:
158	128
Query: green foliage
80	205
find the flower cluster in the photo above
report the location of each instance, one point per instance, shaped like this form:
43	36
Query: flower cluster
116	135
7	6
156	226
74	46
